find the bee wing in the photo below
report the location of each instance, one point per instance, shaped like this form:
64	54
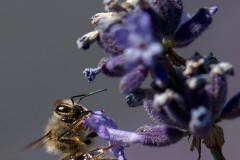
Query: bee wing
39	143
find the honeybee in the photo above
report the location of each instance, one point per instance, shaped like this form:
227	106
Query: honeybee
94	154
65	133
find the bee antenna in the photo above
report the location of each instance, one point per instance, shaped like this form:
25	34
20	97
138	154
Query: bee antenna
81	96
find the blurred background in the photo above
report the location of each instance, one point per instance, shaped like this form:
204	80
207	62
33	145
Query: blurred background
40	63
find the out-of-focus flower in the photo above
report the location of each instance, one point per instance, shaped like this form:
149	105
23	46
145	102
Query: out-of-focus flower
187	96
178	28
195	110
139	57
143	32
200	106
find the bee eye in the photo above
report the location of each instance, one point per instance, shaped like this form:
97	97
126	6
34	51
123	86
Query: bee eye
80	111
63	109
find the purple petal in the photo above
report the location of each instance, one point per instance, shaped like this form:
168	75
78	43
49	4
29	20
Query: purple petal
201	122
108	44
134	31
146	55
196	94
152	52
114	66
133	79
209	60
160	116
170	12
97	118
90	73
160	135
118	152
101	124
194	27
217	86
136	98
121	34
159	74
133	57
174	106
232	108
106	128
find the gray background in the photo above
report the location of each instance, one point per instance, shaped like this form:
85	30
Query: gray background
40	62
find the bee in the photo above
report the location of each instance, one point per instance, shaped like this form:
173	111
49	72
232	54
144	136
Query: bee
94	154
66	134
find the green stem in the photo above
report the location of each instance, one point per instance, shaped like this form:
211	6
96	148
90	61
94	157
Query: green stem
217	154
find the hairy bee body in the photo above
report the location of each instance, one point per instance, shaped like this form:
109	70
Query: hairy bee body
65	133
70	143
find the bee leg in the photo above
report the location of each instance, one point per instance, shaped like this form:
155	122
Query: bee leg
73	140
97	152
70	157
72	129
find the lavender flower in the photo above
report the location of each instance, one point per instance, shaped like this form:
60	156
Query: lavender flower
187	96
179	114
158	135
192	109
139	56
198	107
143	33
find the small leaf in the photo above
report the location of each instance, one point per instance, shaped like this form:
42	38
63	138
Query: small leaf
196	144
216	138
232	108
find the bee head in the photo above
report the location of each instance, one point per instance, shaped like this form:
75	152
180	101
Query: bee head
68	111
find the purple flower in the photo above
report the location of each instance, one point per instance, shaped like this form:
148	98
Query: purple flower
134	31
90	73
187	96
179	29
103	126
133	79
158	135
139	57
200	105
144	36
232	109
195	110
169	12
197	105
108	44
194	27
